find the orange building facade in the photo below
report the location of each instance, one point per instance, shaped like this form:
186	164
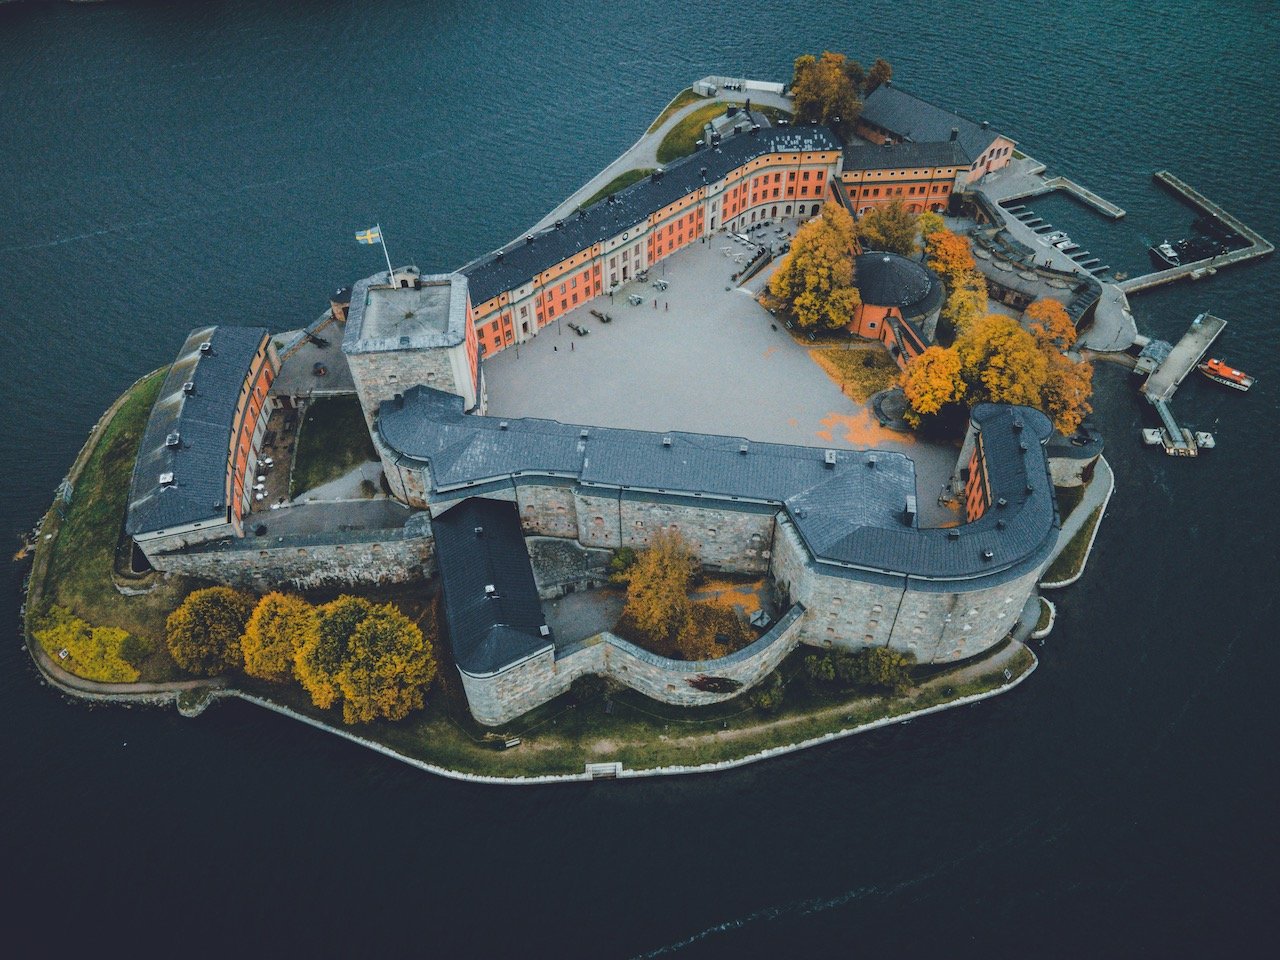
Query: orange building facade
646	223
923	176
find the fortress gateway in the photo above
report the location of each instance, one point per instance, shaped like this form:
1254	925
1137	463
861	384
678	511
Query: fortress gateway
510	512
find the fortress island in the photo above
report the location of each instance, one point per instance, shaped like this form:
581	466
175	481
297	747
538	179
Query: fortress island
494	447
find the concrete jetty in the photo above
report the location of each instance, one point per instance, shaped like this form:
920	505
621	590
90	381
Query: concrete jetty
1038	186
1186	353
1259	246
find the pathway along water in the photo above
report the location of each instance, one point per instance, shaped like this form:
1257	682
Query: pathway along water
1117	800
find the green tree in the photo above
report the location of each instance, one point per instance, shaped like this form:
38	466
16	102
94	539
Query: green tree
929	223
891	227
822	91
320	657
881	72
278	628
387	669
814	283
769	693
884	669
203	634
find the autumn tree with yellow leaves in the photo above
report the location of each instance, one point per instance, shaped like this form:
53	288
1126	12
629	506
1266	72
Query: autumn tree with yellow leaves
931	381
1048	322
814	283
891	227
1001	362
319	658
387	667
203	634
823	90
279	626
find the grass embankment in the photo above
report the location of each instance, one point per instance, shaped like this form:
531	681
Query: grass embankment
682	139
620	182
860	371
1046	614
561	736
1070	561
681	99
73	568
332	441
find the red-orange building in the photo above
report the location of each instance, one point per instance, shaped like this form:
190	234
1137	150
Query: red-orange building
191	479
901	300
921	175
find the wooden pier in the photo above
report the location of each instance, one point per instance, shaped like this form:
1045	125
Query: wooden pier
1259	246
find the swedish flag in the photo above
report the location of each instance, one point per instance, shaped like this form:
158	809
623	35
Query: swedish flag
372	235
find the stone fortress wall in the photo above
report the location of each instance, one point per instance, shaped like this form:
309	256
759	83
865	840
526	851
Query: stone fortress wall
504	696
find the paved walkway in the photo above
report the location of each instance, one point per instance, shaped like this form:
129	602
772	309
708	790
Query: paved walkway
1097	493
644	152
1113	327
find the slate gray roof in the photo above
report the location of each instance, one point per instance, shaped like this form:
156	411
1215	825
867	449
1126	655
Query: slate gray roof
907	116
849	513
203	421
518	262
889	280
899	156
479	543
428	314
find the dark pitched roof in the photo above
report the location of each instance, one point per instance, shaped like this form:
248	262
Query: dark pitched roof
889	280
905	115
898	156
849	513
479	544
203	421
518	262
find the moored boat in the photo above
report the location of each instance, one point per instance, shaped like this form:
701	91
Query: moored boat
1225	374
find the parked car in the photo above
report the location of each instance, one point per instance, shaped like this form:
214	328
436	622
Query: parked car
579	330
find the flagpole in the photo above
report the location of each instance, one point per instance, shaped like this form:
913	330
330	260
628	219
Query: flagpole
391	274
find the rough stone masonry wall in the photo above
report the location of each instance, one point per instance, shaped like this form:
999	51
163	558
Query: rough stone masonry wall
380	376
935	627
496	700
386	557
547	510
559	563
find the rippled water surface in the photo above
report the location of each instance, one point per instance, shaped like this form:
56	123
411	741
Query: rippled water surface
172	164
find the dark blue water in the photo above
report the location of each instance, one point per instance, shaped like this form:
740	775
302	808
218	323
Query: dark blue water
166	165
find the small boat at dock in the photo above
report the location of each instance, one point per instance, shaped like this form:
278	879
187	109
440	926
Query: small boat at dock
1225	374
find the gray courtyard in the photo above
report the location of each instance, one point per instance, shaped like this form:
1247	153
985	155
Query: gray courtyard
701	356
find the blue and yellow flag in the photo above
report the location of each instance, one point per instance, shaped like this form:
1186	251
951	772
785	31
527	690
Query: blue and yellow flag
372	235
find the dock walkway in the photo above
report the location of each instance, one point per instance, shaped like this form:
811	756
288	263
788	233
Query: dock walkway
1186	353
1105	207
1259	246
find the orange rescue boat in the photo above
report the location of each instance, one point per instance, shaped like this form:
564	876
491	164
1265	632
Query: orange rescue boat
1225	374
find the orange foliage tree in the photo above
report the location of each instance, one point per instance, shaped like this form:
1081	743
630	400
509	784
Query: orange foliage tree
880	73
1048	322
949	256
931	381
1066	391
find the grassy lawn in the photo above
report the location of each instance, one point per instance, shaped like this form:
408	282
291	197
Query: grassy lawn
1071	559
73	569
561	736
861	370
332	441
682	139
1045	614
683	98
620	182
1068	499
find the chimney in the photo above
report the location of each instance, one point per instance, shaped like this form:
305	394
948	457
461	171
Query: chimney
909	511
955	134
985	124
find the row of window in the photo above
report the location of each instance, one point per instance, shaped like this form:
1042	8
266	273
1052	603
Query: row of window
922	190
